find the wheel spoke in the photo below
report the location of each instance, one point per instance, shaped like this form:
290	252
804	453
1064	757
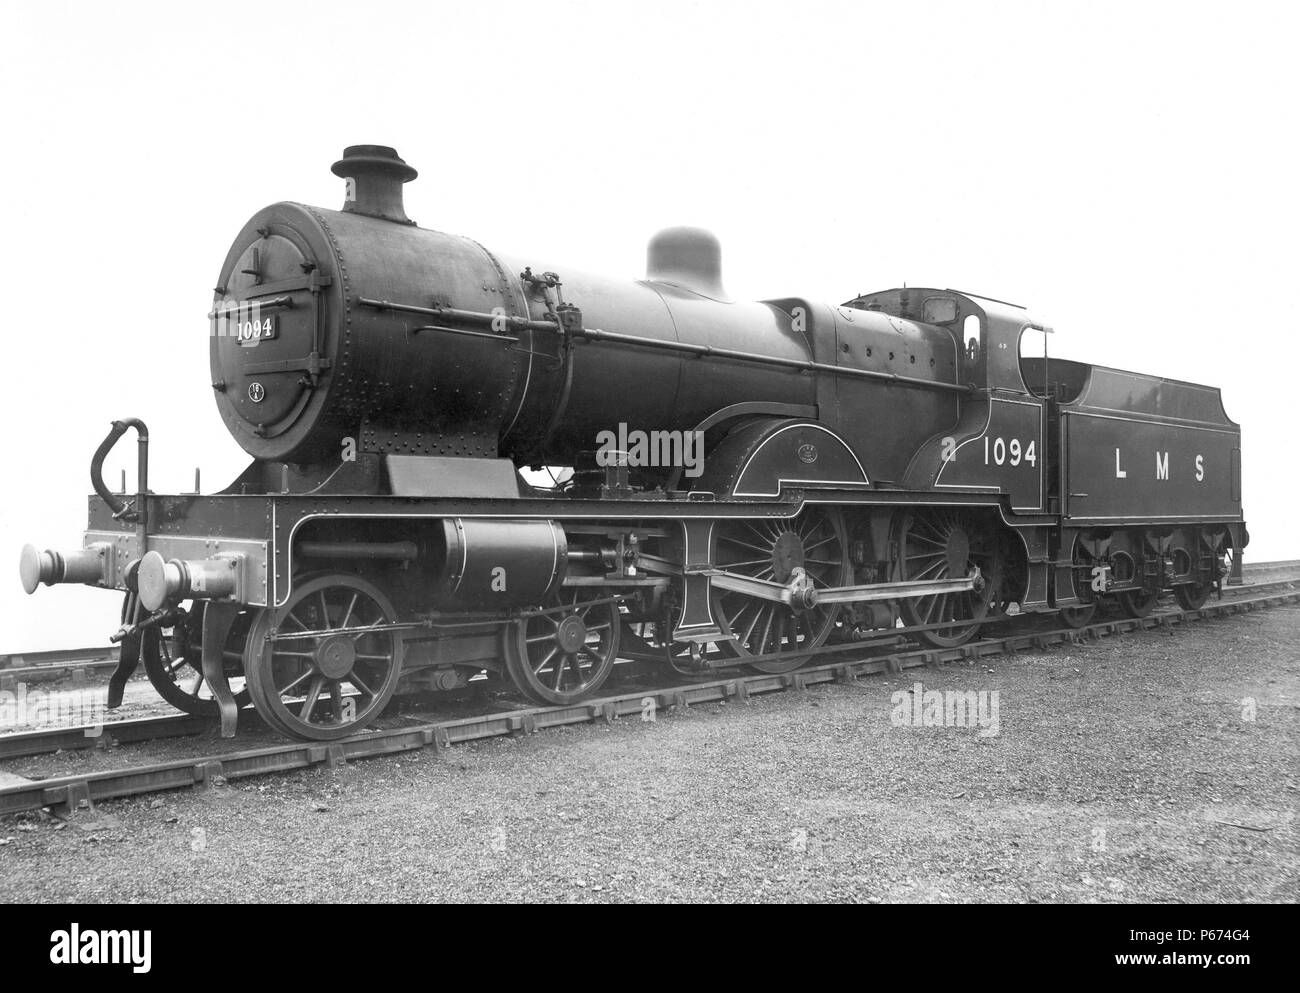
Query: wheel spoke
749	631
818	544
746	605
313	695
292	686
768	614
550	655
940	565
764	550
929	541
357	681
748	562
336	697
348	616
925	556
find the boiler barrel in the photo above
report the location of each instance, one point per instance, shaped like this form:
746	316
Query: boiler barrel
302	356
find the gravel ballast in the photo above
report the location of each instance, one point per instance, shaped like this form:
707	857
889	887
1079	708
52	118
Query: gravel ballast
1159	766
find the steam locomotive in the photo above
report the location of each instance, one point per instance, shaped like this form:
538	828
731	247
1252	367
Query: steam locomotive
711	482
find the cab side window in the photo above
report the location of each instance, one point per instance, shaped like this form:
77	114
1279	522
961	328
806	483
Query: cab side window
973	334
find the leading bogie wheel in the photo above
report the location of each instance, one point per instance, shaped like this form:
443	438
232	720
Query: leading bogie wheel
172	653
332	662
563	653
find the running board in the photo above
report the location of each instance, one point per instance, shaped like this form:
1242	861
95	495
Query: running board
800	593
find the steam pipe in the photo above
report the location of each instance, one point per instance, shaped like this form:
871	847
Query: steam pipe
395	551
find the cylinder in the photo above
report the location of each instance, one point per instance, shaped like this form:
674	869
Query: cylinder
85	565
500	562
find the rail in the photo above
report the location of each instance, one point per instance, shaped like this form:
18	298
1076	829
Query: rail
69	793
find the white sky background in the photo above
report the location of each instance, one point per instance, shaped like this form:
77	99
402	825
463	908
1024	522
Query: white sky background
1128	171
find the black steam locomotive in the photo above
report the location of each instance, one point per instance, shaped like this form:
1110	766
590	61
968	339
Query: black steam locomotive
726	482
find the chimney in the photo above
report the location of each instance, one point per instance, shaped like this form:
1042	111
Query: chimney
687	257
374	175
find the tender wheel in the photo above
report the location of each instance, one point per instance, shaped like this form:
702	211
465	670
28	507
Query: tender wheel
1137	603
1229	557
1192	596
561	656
771	550
1133	603
173	660
1080	616
325	677
1077	617
944	544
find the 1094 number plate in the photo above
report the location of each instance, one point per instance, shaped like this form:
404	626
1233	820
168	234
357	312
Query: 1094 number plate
251	331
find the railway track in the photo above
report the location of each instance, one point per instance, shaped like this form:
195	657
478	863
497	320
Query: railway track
77	664
80	664
73	792
76	737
